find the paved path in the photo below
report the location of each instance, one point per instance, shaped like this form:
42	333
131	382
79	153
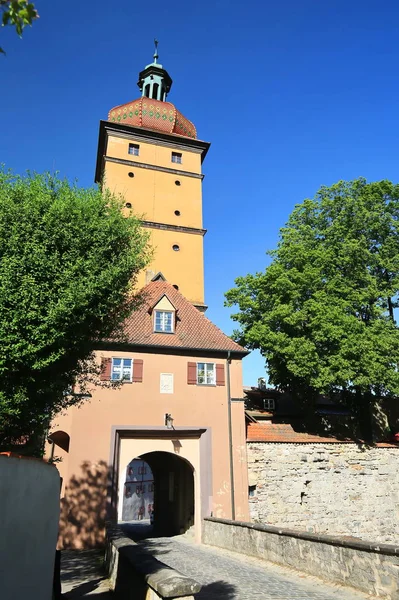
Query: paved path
230	576
224	575
82	575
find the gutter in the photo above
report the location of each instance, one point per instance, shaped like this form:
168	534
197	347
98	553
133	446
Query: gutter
231	454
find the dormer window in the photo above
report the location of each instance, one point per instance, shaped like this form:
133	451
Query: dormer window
163	321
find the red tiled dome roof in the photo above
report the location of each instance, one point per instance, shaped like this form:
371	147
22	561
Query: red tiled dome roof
153	114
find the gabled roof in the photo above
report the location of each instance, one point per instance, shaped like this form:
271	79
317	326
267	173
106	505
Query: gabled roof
193	330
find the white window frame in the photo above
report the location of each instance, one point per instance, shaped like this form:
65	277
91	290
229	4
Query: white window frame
162	329
121	368
135	148
211	367
177	158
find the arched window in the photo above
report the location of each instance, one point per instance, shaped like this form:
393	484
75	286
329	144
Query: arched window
155	88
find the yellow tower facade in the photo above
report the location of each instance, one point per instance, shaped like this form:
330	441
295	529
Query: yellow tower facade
149	153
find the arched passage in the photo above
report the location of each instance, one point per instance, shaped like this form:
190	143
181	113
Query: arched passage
173	491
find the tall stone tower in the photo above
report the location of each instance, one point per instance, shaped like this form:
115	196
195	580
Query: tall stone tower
149	152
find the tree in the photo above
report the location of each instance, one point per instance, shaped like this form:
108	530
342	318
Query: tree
68	260
322	313
18	14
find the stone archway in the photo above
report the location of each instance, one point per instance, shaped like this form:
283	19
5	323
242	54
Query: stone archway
180	460
173	492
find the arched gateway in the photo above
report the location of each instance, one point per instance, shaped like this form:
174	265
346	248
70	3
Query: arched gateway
178	476
163	487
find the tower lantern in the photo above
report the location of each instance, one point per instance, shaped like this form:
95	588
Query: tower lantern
154	81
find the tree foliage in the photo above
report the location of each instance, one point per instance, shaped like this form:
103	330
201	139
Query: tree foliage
322	313
68	260
18	14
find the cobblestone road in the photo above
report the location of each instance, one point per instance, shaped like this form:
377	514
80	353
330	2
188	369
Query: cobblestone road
230	576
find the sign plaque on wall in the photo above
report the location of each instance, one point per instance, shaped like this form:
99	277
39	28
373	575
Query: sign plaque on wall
166	383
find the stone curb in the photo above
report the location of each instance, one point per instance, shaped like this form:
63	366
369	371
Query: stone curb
387	549
167	582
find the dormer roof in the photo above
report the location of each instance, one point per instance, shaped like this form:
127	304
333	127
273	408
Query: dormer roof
193	331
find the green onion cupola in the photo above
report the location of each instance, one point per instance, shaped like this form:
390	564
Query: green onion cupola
154	81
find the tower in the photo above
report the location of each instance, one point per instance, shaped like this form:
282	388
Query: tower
149	152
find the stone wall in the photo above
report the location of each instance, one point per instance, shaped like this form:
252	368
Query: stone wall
338	489
370	568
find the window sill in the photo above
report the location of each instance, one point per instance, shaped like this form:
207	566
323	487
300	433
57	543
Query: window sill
206	384
166	332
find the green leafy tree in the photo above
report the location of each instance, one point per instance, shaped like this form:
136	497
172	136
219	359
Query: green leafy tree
68	261
322	313
18	14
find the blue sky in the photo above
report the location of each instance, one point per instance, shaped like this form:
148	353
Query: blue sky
292	95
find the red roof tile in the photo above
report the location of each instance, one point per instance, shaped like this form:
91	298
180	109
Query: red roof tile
284	433
193	329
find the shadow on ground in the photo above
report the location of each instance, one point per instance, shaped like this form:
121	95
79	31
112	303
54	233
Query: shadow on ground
216	591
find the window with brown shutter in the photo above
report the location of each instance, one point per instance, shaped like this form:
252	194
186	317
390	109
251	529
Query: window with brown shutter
192	373
220	375
137	370
105	374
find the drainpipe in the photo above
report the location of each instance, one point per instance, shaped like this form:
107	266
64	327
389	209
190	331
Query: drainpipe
233	508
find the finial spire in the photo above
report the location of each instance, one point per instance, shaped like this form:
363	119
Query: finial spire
156	51
154	81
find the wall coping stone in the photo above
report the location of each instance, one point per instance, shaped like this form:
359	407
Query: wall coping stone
167	582
346	542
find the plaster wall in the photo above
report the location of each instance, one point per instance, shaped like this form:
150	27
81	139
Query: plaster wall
133	405
337	489
155	152
183	268
29	515
155	197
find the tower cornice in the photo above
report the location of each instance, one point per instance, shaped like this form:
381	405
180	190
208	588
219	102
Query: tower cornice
128	131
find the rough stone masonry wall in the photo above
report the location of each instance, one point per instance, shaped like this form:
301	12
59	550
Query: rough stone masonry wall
337	489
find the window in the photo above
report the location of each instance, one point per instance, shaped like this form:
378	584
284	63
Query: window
252	491
142	470
176	247
177	157
163	321
206	373
134	149
121	369
150	489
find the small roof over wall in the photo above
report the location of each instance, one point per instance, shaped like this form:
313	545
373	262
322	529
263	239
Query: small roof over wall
273	433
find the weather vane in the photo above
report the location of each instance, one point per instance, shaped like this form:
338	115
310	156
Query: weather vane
156	50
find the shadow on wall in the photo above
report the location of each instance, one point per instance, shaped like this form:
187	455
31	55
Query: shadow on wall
84	508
